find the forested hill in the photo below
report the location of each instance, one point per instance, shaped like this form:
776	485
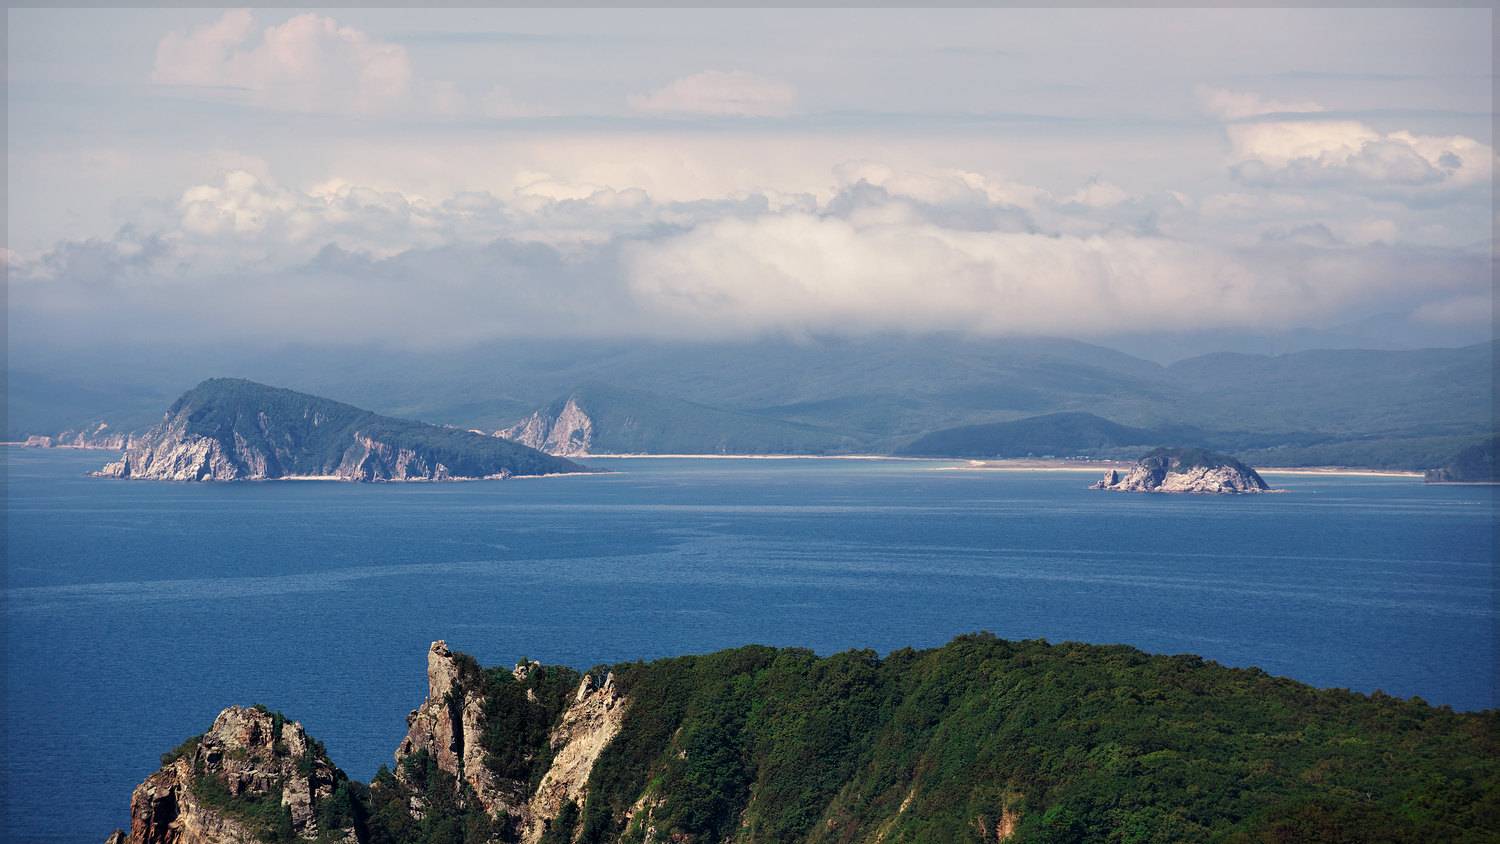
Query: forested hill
233	429
982	740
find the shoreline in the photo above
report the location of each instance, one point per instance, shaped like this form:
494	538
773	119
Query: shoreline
997	465
1028	465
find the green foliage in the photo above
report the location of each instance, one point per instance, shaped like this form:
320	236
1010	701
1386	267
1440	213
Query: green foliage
308	435
261	813
1474	464
1081	743
1055	743
560	830
518	717
188	747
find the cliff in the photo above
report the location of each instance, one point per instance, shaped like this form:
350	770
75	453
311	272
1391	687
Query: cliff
597	419
981	740
98	435
1185	470
253	777
228	429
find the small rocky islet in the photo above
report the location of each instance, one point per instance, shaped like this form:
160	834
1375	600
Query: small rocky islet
1185	470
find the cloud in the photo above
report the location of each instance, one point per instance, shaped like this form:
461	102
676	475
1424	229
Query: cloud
1269	151
307	63
1238	105
889	249
719	93
821	273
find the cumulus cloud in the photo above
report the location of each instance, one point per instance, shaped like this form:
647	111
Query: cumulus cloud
889	249
1342	153
307	63
823	273
719	93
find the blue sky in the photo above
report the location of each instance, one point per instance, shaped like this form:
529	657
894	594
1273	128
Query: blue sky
334	174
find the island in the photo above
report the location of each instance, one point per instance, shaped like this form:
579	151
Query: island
230	429
982	740
1185	470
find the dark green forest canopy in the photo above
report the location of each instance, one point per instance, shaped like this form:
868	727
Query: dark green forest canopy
1054	743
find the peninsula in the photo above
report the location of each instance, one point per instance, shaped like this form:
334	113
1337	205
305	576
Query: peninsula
229	429
981	740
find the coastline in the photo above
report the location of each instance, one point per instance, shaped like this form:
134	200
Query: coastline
999	465
1028	465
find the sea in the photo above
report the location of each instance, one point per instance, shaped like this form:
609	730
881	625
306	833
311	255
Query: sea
134	611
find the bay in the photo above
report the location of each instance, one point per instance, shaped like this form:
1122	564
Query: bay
135	611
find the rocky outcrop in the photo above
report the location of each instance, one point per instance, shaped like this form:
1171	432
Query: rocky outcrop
568	431
251	778
447	727
230	430
586	728
98	435
1184	471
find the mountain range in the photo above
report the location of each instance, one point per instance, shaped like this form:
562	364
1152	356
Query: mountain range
881	394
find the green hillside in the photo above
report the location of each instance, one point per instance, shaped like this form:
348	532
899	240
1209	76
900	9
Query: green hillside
981	740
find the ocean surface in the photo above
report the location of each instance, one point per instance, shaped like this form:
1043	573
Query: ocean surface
135	611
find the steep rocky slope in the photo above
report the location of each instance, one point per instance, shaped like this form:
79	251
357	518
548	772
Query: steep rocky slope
1185	470
253	777
605	420
227	429
982	740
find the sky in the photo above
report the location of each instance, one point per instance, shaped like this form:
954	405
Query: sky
433	177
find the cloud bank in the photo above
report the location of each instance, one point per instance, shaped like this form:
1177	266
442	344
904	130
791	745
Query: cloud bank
307	63
888	250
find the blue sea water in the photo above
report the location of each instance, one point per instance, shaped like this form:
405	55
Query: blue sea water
135	611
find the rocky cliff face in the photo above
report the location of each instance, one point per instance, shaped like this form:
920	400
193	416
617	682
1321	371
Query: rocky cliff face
584	731
253	777
228	430
568	431
1184	471
99	435
448	726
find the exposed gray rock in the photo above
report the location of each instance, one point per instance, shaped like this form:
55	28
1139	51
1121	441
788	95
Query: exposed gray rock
247	757
1185	471
568	433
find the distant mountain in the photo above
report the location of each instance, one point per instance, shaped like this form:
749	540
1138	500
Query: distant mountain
1475	464
1397	409
1051	435
602	420
228	429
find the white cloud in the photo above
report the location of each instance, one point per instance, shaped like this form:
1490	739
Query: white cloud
1348	153
307	63
890	249
1098	194
1238	105
719	93
871	272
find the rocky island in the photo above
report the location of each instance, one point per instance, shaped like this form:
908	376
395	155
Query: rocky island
229	429
1185	470
981	740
